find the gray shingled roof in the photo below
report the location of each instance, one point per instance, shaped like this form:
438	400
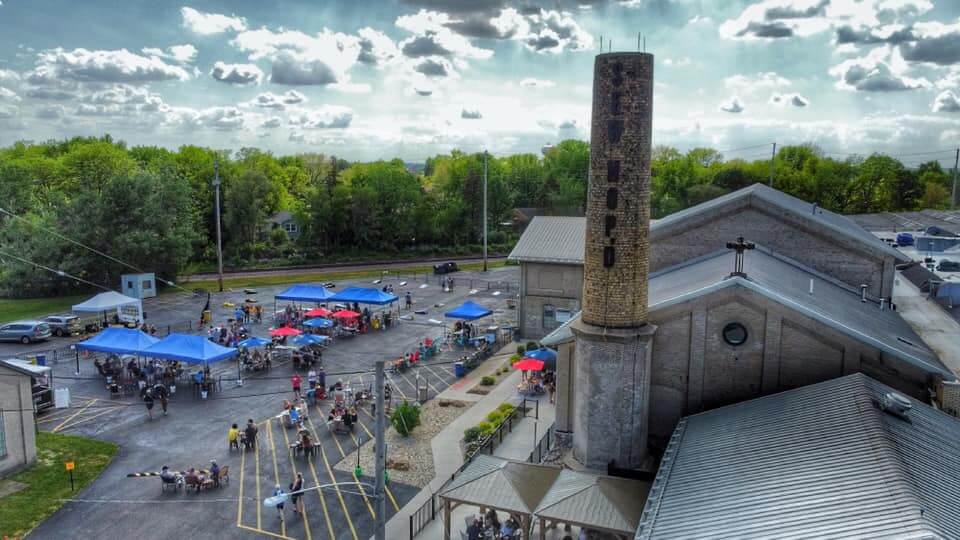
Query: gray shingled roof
560	242
787	282
821	461
552	239
595	502
512	486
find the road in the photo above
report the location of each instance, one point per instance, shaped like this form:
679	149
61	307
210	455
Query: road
339	267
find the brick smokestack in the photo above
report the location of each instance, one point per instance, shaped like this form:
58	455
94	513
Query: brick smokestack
616	261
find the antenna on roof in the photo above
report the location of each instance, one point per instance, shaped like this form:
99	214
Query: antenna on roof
644	43
609	45
601	42
638	41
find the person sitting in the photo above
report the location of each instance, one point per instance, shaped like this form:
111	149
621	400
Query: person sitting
349	419
508	528
194	478
167	476
306	445
233	436
474	531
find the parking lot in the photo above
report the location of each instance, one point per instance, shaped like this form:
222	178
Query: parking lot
195	431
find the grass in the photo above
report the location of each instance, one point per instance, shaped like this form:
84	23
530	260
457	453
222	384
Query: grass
47	481
30	308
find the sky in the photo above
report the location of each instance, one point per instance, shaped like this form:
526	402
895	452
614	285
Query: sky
368	79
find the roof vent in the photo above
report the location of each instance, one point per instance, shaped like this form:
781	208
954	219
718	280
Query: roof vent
896	404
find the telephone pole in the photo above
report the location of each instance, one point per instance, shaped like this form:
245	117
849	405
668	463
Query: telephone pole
953	193
380	453
773	156
216	196
484	210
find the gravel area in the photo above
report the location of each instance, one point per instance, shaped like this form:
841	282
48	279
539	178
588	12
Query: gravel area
412	453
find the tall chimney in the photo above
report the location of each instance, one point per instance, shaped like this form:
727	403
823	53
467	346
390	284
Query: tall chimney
613	337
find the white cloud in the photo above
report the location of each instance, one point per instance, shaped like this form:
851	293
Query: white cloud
536	83
102	66
183	54
679	62
217	118
202	23
376	49
50	112
240	74
792	100
732	105
272	122
431	37
301	59
269	100
471	114
881	70
325	117
8	76
946	101
8	95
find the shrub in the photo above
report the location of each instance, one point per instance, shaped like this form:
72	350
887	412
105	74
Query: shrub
532	346
471	434
487	381
521	350
405	417
486	428
514	359
506	408
495	418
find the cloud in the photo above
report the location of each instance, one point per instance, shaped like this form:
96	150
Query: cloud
376	49
432	37
881	70
290	70
793	100
946	101
423	91
202	23
102	66
9	95
269	100
296	137
536	83
434	67
50	112
325	117
301	59
679	62
218	118
183	54
893	33
936	43
239	74
732	105
120	94
272	122
9	76
567	124
472	114
554	31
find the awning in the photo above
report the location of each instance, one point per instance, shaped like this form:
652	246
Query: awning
318	323
468	311
511	486
545	355
109	301
189	349
362	295
118	341
306	293
595	502
284	331
309	339
318	312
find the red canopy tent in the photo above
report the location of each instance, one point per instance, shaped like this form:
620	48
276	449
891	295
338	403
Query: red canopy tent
319	312
529	364
346	314
284	332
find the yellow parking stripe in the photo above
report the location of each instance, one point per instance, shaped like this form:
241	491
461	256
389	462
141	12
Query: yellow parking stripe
261	531
256	449
74	415
88	418
276	470
333	479
316	481
293	465
243	461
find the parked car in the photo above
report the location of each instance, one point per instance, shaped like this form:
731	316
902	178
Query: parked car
25	331
905	239
445	268
948	266
64	325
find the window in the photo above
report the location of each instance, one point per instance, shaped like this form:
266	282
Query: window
563	315
129	284
290	227
735	334
549	317
147	284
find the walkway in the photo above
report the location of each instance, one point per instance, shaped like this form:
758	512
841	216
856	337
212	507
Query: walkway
937	328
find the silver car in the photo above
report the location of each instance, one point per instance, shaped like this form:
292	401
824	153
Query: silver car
25	331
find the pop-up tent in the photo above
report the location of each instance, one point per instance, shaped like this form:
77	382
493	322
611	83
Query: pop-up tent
545	355
253	343
306	293
362	295
468	311
189	349
109	301
118	341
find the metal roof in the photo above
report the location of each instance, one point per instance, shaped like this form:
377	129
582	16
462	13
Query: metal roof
595	502
559	242
788	283
552	239
821	461
512	486
25	368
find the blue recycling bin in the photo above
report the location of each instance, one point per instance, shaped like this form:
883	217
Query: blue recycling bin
459	369
41	359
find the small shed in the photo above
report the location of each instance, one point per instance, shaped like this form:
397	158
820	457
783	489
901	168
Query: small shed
18	445
139	286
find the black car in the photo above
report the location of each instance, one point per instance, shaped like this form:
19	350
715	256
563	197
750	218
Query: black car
445	268
948	266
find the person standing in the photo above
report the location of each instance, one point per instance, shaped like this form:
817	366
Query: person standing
295	382
311	379
295	495
408	299
148	401
281	499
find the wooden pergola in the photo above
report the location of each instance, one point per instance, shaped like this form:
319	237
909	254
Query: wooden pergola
600	503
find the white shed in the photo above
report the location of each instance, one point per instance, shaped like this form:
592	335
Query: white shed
139	285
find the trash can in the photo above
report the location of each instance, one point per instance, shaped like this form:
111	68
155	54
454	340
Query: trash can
41	359
459	370
61	398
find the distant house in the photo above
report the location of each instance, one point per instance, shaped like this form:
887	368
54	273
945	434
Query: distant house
284	220
18	447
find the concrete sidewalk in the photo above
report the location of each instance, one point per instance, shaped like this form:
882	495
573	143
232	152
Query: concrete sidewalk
447	457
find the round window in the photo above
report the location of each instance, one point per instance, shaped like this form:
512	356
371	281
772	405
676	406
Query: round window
735	334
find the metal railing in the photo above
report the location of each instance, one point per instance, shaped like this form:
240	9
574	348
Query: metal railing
543	446
423	515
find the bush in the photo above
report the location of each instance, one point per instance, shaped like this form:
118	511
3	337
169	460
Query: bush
506	408
521	350
514	359
487	381
486	428
471	434
495	418
405	417
532	346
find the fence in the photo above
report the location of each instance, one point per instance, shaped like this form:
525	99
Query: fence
543	446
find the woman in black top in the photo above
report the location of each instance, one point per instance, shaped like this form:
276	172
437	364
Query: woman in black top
295	494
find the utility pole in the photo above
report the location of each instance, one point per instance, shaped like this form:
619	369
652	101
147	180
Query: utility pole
380	451
484	210
953	194
773	155
216	197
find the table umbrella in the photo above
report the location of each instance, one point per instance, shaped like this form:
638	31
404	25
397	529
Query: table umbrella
319	312
529	364
309	339
318	323
253	342
547	356
285	331
346	314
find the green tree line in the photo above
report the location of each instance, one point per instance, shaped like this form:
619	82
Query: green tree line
153	207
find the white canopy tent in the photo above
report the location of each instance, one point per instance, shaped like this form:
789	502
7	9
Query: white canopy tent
110	301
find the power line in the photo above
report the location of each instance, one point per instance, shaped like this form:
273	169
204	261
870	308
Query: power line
60	273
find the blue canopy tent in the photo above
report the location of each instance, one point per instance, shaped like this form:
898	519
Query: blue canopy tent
253	342
318	323
306	293
309	339
362	295
118	341
189	349
468	311
545	355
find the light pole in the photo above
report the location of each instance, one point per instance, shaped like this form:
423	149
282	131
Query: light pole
216	198
484	210
380	455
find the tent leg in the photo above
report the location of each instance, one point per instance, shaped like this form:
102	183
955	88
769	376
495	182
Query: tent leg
543	529
446	519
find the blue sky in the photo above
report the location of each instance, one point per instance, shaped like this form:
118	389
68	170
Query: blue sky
413	78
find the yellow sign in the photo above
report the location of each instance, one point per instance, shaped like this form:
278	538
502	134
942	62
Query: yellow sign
69	465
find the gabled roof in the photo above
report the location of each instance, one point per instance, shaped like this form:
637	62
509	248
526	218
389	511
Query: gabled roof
595	502
280	217
507	485
559	241
552	239
820	461
787	282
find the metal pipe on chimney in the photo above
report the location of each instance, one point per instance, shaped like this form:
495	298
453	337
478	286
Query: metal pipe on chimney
811	285
863	292
882	302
